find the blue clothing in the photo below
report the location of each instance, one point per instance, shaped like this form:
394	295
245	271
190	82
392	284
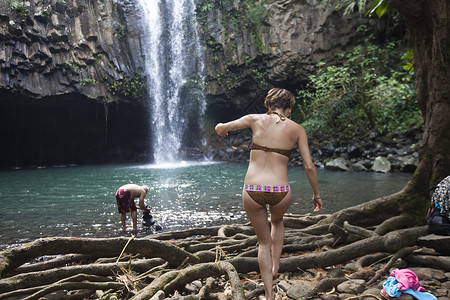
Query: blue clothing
420	295
391	287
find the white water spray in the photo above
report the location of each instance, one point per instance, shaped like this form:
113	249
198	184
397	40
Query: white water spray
173	55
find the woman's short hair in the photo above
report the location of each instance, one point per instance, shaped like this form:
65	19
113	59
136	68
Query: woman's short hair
279	98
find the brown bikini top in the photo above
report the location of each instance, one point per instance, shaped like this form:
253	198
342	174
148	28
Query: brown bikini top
280	116
286	153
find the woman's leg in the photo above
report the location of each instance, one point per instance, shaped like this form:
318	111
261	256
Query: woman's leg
258	217
277	233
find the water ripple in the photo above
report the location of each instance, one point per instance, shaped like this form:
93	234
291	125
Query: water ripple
79	201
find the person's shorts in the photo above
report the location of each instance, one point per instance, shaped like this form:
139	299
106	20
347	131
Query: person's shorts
124	201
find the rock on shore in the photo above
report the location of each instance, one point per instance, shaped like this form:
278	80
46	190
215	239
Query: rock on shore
368	152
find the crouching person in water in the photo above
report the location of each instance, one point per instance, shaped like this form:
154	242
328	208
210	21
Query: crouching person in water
125	196
266	182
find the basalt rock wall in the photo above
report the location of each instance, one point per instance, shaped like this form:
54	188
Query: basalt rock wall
72	89
72	80
251	50
60	47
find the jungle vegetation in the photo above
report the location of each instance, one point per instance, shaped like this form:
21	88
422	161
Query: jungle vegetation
361	94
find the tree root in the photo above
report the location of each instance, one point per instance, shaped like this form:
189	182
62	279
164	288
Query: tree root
296	221
369	259
206	289
76	286
440	262
229	245
389	243
367	214
156	285
230	230
360	231
14	257
385	269
59	261
173	280
48	276
40	291
393	223
255	293
184	234
209	253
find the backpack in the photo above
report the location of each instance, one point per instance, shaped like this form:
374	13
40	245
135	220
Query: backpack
438	216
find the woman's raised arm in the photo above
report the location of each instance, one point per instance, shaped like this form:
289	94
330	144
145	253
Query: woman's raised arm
222	129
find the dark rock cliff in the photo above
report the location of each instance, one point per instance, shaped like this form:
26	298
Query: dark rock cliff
56	47
72	84
251	50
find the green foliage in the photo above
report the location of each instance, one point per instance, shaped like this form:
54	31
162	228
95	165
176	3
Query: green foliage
207	6
120	34
361	94
195	82
87	81
244	19
408	56
19	7
46	12
129	87
379	7
233	77
99	56
248	17
255	14
74	68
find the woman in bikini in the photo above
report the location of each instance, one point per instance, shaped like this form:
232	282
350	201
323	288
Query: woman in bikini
266	182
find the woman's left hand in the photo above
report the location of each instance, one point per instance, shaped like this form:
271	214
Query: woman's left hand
220	132
317	204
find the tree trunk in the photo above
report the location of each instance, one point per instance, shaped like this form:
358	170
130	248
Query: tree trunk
429	28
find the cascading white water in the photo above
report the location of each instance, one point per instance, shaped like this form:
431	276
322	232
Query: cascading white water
172	57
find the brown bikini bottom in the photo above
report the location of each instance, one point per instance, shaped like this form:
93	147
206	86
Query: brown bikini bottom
263	198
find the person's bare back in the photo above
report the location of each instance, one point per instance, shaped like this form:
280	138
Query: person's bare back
136	191
125	196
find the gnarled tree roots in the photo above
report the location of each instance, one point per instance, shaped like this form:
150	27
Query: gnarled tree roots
214	262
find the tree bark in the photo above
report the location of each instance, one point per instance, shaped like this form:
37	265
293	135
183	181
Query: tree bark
391	242
366	214
14	257
402	252
173	280
75	286
442	262
52	275
182	234
145	278
53	263
428	22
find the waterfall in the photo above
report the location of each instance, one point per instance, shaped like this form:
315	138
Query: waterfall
173	60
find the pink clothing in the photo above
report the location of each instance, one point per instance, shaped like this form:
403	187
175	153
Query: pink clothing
407	279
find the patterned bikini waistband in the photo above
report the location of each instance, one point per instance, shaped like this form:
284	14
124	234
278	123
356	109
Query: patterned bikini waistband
266	188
